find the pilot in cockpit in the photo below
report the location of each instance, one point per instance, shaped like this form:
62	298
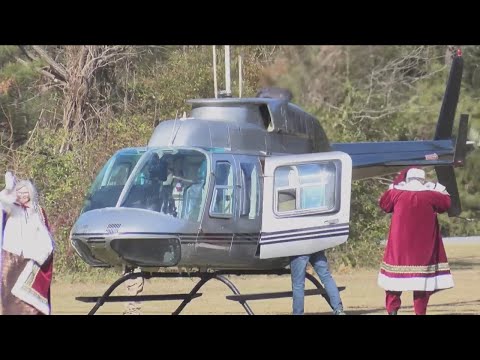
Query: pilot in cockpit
157	171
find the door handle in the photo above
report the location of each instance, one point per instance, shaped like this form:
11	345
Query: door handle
332	221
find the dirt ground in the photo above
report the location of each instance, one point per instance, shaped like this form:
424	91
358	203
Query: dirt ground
361	296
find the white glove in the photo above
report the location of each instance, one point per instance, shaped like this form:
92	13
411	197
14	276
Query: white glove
441	189
10	181
430	185
437	187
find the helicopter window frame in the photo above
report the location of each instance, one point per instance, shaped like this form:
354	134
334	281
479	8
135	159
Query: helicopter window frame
250	194
297	188
216	190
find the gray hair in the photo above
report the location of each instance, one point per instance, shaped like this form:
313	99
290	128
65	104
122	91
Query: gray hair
32	191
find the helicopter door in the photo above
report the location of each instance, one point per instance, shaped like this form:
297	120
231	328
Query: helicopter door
306	203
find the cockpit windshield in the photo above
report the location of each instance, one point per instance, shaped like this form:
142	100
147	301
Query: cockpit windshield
109	183
170	181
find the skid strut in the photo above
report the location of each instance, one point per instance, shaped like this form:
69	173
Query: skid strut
219	275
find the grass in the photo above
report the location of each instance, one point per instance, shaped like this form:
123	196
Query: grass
361	296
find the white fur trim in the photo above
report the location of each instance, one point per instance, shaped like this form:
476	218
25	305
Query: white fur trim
416	283
25	234
413	185
25	293
41	246
1	225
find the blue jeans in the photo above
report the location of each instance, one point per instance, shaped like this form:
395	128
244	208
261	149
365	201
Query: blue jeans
298	266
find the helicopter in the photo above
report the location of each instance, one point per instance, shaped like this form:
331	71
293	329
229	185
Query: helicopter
242	184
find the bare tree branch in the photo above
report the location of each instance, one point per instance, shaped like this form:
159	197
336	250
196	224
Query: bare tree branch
57	68
9	121
82	63
34	128
27	53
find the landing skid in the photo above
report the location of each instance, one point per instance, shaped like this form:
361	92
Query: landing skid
219	275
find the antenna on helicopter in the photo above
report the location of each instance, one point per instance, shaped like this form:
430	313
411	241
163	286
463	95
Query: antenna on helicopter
240	76
228	90
215	71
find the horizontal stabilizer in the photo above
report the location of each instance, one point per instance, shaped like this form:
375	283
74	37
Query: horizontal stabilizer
419	163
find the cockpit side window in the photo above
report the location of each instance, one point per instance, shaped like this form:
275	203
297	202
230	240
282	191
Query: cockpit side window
267	119
222	200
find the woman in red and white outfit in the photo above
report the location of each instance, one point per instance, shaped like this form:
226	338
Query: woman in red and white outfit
26	251
415	258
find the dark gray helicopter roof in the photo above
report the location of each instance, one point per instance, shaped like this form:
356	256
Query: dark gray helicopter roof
244	124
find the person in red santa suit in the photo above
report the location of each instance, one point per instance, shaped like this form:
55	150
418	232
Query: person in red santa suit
415	258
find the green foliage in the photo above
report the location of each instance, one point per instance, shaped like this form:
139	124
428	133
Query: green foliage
20	99
21	74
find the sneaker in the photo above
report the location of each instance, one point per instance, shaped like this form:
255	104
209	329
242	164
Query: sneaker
339	312
393	312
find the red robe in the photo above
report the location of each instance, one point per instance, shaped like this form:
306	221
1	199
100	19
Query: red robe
415	257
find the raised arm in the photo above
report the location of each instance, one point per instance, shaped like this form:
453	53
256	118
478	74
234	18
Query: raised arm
183	179
7	195
440	201
386	201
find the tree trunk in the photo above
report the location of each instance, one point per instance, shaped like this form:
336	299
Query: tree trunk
76	91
